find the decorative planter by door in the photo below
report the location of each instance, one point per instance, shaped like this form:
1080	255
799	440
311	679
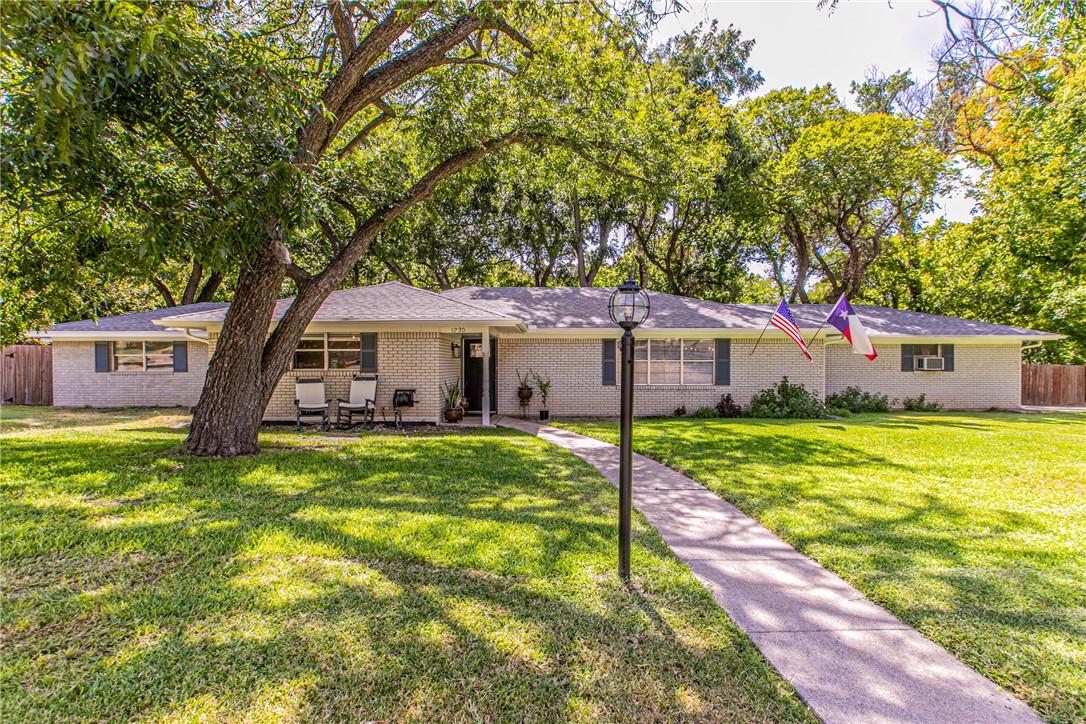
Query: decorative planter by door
524	393
455	414
544	414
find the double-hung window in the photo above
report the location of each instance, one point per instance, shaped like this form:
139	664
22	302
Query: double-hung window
142	356
674	361
327	352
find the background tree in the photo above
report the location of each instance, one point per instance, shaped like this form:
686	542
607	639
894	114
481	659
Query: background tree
251	119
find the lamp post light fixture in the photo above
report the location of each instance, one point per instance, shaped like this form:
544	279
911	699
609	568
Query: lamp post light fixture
629	307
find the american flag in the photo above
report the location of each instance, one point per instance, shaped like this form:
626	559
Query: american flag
782	320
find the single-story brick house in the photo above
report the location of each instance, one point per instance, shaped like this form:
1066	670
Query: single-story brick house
689	352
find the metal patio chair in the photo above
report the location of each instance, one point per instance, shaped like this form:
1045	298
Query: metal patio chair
361	402
309	401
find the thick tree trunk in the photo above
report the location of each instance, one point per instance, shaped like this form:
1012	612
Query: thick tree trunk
248	362
227	418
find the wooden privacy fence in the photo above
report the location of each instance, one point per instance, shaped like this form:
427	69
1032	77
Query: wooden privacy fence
27	375
1053	385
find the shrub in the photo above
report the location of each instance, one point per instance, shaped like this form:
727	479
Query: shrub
705	412
854	399
918	404
727	407
838	411
787	401
680	411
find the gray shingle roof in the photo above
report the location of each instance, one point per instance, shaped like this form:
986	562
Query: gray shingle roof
388	302
555	308
136	321
571	307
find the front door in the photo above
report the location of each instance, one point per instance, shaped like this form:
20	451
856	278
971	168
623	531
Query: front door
473	373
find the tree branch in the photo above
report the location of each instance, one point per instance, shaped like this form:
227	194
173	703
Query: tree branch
193	284
299	275
164	291
366	130
344	28
210	287
193	162
480	61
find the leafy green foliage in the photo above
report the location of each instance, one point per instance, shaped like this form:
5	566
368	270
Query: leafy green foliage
786	400
920	404
704	413
853	399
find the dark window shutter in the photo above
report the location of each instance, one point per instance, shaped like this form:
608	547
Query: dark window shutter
906	358
367	347
723	373
101	356
948	357
609	347
180	356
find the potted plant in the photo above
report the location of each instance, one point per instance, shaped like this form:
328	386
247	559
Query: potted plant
452	393
524	391
544	385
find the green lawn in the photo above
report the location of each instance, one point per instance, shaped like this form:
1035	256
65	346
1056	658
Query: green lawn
971	527
432	577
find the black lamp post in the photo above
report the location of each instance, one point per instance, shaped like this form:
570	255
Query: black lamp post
629	307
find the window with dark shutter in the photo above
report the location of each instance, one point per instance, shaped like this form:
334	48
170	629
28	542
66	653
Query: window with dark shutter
723	370
948	357
367	346
609	347
101	356
180	356
906	358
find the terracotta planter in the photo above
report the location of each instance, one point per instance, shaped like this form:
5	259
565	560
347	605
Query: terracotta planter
456	414
524	393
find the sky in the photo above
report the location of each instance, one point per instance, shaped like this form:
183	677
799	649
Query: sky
798	45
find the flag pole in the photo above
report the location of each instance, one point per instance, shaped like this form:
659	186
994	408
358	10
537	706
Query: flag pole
825	320
763	331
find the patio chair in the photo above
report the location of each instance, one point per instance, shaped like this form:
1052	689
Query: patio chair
309	401
361	401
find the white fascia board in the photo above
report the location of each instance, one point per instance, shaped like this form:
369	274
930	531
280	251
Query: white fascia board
986	339
104	335
447	326
365	325
827	336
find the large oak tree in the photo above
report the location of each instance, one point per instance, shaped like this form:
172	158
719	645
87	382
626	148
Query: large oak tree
241	130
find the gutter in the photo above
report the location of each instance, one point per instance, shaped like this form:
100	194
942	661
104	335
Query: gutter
190	335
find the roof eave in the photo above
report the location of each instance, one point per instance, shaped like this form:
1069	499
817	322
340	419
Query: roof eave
108	334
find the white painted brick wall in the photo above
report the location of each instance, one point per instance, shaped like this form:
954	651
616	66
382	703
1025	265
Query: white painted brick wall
575	367
984	376
76	384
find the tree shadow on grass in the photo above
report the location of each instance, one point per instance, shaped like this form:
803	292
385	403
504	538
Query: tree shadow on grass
998	581
410	580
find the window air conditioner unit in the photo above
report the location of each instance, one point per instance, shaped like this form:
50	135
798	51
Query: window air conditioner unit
930	363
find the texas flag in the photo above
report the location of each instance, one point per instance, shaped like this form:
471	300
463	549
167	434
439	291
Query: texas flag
845	321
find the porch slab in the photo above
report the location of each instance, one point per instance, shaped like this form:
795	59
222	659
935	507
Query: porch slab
850	660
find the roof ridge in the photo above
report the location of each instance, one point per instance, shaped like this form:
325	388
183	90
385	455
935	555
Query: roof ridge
442	297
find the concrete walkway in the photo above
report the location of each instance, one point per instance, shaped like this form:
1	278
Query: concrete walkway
849	659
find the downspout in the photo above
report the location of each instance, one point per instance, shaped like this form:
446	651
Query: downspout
189	335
